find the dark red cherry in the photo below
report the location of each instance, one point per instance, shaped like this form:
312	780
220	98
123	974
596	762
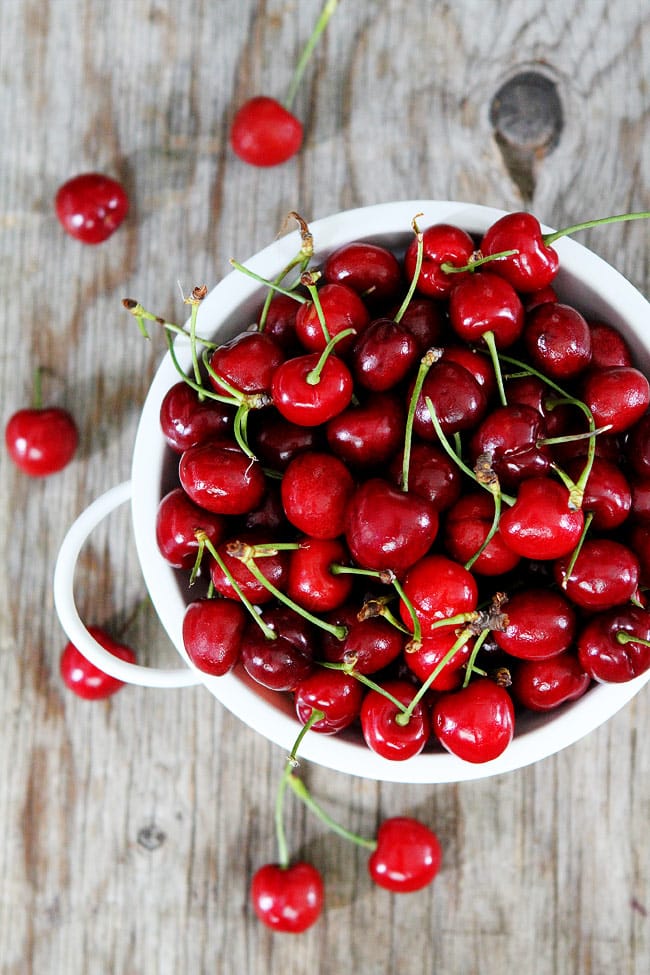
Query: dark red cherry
442	244
222	479
608	347
247	362
542	685
534	266
212	634
383	354
485	302
542	524
510	435
186	420
288	899
83	678
310	581
605	574
558	341
387	528
274	567
638	447
333	692
407	856
425	321
308	403
372	271
371	644
534	298
315	489
279	664
381	731
41	440
178	520
541	623
280	321
366	435
265	133
467	524
617	396
438	588
342	309
607	494
533	392
432	475
475	723
640	494
91	206
458	400
605	650
276	440
475	362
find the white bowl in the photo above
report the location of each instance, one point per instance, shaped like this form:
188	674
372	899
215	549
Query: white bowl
584	279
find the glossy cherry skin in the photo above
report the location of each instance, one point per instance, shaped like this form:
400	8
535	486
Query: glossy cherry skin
558	340
383	734
221	478
279	664
371	644
640	495
476	363
638	447
333	692
467	524
372	271
247	363
280	322
605	574
541	623
475	723
274	568
383	354
600	653
41	441
510	434
618	396
532	392
83	678
185	420
485	302
307	404
542	685
386	528
608	347
276	440
177	521
432	475
608	493
342	309
427	657
212	634
534	266
541	524
310	581
91	206
315	490
425	320
442	244
264	133
365	436
458	399
438	588
288	899
407	856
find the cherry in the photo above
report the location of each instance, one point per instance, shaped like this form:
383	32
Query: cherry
535	264
538	297
187	420
383	354
458	399
542	685
467	525
308	403
605	574
86	680
372	271
617	396
422	660
342	310
542	523
424	319
443	244
608	347
274	567
310	582
287	898
177	521
91	206
383	733
475	723
365	436
640	499
41	440
312	509
269	515
510	435
247	362
281	663
276	440
337	695
614	646
486	303
438	588
608	495
638	447
386	528
558	340
212	634
371	644
541	623
532	391
432	475
407	856
221	478
280	320
265	133
479	365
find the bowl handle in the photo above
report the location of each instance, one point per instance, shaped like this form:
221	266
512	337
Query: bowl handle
67	611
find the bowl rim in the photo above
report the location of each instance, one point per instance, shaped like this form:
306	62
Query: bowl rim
596	286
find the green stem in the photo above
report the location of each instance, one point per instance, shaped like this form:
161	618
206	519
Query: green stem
417	628
363	679
416	273
425	364
302	792
195	359
264	627
623	638
448	268
617	218
320	26
576	552
193	385
405	716
488	338
269	284
469	666
313	291
292	761
491	533
313	377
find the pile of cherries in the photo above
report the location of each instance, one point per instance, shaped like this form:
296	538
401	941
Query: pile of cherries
419	489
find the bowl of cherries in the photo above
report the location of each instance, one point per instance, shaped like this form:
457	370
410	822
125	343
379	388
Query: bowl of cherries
394	470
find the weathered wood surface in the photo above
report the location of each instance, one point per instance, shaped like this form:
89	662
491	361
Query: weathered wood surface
129	829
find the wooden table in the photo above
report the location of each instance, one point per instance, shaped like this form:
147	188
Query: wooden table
130	828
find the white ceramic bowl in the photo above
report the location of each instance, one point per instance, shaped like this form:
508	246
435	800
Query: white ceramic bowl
584	279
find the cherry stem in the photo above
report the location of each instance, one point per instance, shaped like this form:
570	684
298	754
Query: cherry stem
448	268
576	552
301	260
269	633
299	71
405	716
195	299
428	359
445	444
379	607
244	553
291	763
491	533
302	792
617	218
417	628
622	637
141	314
313	377
469	666
416	273
488	338
308	280
349	669
269	284
197	387
572	437
37	388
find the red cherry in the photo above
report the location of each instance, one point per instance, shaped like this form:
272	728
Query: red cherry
534	265
432	475
541	624
288	899
542	524
186	420
510	435
342	309
542	685
382	732
310	582
605	574
383	354
479	365
307	404
265	133
638	447
424	319
247	362
425	658
617	396
438	588
333	692
280	322
475	723
372	271
467	525
458	399
274	568
558	340
91	206
372	643
604	656
442	244
177	521
608	347
221	478
279	664
485	302
41	441
407	856
366	435
314	511
86	680
276	441
608	494
212	634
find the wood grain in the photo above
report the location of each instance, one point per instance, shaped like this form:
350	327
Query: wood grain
130	829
